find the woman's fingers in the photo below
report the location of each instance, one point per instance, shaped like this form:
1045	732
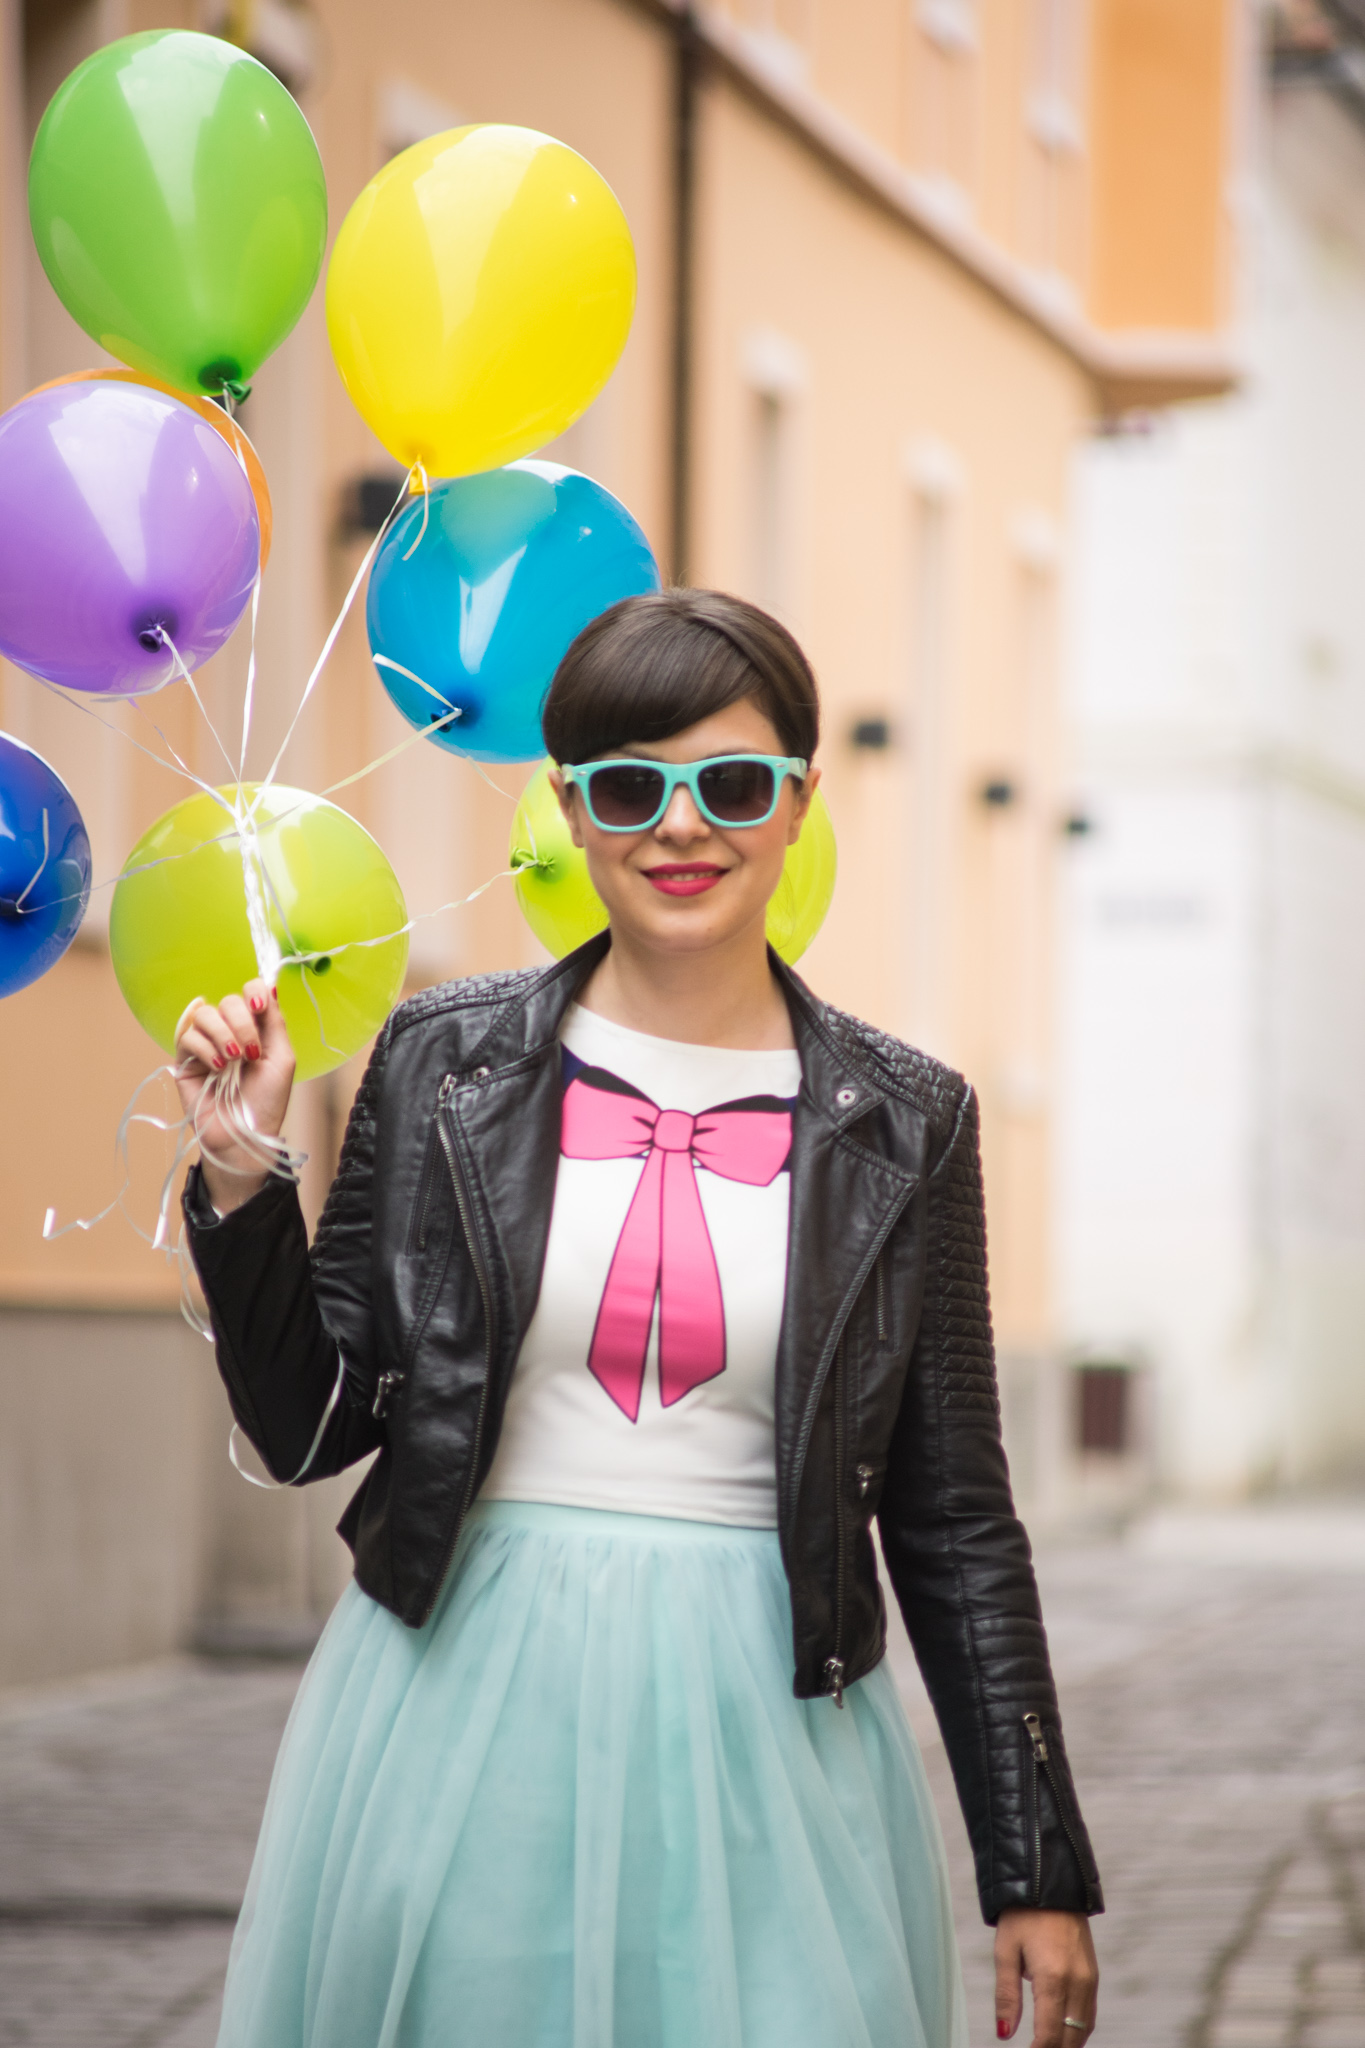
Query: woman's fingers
1009	1981
197	1045
245	1041
274	1032
206	1025
1055	1952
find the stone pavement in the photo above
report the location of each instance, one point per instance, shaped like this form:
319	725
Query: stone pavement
1213	1678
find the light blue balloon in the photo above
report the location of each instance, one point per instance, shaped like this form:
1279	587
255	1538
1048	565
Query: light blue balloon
512	566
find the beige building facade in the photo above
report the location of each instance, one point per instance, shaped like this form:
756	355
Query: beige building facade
896	256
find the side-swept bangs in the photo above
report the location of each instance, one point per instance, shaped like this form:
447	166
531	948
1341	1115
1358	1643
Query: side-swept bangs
651	666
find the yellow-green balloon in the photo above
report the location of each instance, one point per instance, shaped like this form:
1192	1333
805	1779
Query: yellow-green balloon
563	909
557	899
178	926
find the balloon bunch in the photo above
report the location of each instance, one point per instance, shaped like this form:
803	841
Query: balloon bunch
479	294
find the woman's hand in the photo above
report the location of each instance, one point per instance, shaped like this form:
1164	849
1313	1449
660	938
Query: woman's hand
1055	1952
249	1028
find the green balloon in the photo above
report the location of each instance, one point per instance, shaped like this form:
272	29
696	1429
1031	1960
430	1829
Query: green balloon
179	207
178	925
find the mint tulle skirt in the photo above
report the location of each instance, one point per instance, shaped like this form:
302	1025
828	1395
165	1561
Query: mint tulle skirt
582	1809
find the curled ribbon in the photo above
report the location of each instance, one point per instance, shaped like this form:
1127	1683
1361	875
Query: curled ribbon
665	1249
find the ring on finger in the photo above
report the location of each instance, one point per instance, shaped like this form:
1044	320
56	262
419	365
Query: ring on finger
1079	2025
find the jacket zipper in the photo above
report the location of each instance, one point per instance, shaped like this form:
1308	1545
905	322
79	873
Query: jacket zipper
475	1253
834	1666
813	1399
882	1331
419	1232
1042	1761
386	1387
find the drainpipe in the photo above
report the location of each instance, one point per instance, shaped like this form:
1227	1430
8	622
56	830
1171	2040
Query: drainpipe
688	57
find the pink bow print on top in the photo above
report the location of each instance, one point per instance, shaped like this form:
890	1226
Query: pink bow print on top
665	1248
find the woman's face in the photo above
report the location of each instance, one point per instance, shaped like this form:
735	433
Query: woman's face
685	885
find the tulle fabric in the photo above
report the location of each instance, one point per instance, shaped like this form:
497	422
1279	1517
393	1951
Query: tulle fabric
582	1809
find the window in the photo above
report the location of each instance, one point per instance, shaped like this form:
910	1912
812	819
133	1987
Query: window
942	113
1054	101
1104	1409
935	478
775	373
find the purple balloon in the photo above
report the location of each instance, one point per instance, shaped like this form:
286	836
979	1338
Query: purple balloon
126	523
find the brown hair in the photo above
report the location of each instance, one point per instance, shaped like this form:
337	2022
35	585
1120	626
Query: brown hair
651	666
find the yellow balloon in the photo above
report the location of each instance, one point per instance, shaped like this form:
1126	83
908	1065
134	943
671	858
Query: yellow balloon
479	294
563	909
178	924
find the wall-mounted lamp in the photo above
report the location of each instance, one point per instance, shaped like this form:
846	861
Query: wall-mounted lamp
871	735
366	501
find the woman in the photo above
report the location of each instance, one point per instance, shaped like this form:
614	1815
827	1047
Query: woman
652	1280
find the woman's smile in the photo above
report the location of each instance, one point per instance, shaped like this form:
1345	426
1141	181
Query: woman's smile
684	878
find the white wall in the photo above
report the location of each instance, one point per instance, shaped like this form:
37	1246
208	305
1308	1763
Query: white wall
1211	1178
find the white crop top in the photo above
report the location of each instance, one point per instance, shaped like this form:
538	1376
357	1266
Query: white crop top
645	1383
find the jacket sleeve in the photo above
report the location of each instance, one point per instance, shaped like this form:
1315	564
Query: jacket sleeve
960	1564
293	1330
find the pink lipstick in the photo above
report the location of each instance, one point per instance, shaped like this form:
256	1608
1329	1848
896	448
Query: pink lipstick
692	879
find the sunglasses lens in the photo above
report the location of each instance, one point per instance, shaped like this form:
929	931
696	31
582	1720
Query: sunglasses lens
627	796
737	792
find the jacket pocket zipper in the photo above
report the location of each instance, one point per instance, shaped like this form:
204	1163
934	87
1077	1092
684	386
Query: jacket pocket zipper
486	1295
1042	1761
417	1236
834	1666
883	1325
386	1387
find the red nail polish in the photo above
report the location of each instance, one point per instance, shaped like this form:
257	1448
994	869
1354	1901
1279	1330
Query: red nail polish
253	1052
1002	2030
234	1051
218	1063
258	1006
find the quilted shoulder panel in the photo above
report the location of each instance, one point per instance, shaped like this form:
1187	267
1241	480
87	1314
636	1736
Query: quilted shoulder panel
936	1090
469	992
964	1346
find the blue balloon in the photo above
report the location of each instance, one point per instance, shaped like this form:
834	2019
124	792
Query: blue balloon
44	866
512	566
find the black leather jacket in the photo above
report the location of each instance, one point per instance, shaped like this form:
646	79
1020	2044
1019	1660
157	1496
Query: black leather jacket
423	1276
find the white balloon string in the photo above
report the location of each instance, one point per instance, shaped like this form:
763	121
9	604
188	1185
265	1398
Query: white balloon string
383	760
163	860
385	661
184	676
256	880
485	777
324	954
208	788
249	697
18	902
176	767
419	469
278	1485
337	624
422	916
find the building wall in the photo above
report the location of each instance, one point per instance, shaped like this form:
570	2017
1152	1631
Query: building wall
1212	1202
883	425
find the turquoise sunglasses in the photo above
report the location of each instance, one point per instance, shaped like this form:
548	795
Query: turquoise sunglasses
728	790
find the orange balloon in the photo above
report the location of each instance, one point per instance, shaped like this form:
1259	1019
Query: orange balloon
221	422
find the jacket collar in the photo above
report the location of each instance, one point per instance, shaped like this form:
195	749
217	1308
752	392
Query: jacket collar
834	1082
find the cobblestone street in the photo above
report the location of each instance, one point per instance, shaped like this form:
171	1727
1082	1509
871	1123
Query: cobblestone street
1212	1684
